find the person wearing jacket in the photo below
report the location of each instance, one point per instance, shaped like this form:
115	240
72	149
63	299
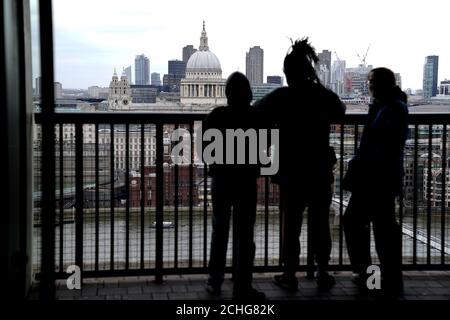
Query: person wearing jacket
234	190
303	112
374	177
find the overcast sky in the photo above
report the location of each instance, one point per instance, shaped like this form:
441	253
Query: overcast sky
93	36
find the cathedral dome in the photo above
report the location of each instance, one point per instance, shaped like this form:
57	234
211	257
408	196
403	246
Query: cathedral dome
203	84
203	61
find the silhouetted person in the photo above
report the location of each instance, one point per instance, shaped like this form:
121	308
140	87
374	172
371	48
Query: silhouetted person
233	187
303	112
375	178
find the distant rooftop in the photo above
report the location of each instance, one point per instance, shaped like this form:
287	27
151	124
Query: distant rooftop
176	107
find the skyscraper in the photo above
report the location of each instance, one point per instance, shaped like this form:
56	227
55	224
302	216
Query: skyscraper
430	76
156	79
127	71
337	77
177	71
188	51
325	58
177	67
58	90
323	67
324	75
398	79
142	70
254	65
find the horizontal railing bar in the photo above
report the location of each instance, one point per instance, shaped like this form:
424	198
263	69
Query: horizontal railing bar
203	270
149	117
121	117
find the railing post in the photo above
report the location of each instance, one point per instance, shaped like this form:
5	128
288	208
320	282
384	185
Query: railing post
310	268
97	193
159	202
61	199
112	172
191	194
443	191
79	196
127	192
143	197
429	178
177	201
47	285
341	192
415	193
266	221
205	215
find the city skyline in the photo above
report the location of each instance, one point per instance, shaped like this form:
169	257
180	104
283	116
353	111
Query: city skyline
86	54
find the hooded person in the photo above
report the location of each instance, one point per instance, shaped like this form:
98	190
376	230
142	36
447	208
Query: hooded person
374	177
233	189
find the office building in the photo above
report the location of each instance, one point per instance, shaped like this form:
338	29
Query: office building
188	51
398	80
254	65
143	93
177	67
430	76
58	90
337	77
259	92
275	80
156	79
356	80
127	71
142	70
323	68
93	91
177	71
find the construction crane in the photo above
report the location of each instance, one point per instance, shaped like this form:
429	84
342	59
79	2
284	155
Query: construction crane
337	57
363	59
363	72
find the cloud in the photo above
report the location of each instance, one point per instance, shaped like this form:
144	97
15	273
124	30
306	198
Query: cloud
92	36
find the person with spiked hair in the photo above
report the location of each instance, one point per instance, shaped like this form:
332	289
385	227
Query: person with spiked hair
303	112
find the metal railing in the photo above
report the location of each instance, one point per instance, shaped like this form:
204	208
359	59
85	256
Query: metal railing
152	217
